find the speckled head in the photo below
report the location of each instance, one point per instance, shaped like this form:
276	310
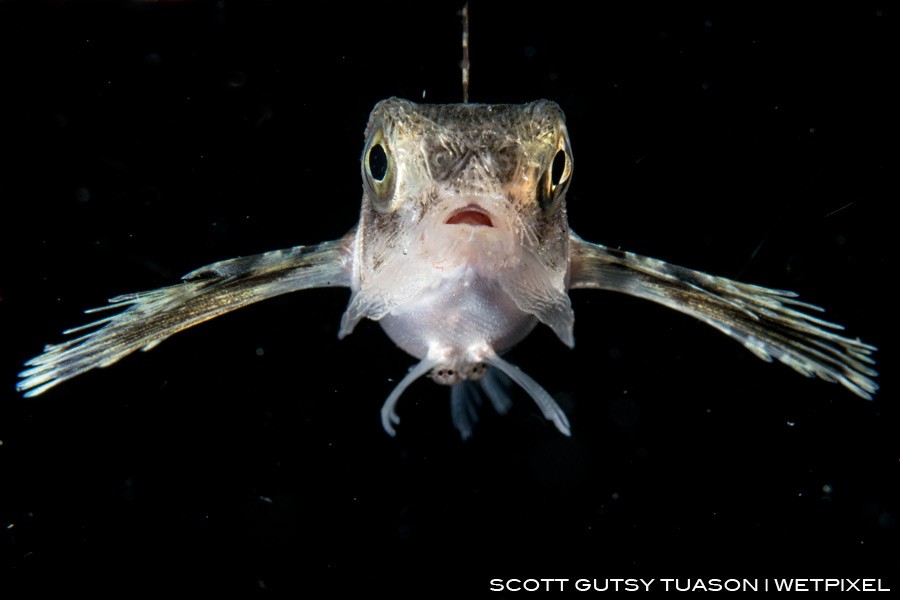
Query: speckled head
468	149
472	189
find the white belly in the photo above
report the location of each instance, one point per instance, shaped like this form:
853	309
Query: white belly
456	315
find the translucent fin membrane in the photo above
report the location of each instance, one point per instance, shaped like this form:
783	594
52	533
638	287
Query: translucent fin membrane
770	323
496	386
466	400
147	318
464	403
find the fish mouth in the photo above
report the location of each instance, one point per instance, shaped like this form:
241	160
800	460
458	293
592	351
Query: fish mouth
470	215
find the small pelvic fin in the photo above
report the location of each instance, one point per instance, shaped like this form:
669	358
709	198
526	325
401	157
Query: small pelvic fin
465	396
464	403
466	399
389	416
545	401
496	385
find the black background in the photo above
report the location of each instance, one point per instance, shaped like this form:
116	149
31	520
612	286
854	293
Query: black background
141	140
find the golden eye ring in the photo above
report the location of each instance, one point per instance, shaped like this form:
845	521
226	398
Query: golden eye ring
379	172
557	176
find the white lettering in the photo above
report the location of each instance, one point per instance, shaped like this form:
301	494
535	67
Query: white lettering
712	585
528	585
690	585
744	585
828	585
784	585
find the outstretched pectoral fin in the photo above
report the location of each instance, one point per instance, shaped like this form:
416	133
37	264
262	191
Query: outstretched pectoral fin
770	323
150	317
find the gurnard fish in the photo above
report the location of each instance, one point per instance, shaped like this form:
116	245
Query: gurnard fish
462	247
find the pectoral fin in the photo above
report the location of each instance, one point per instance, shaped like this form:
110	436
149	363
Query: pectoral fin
150	317
770	323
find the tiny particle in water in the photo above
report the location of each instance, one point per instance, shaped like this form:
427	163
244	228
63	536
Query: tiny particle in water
153	60
266	499
530	51
11	525
615	495
791	423
812	129
840	240
82	194
705	86
826	488
708	24
260	351
237	79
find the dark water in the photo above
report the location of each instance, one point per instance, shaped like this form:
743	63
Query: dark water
143	140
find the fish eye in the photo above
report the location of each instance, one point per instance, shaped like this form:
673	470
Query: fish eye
378	172
556	177
378	162
558	169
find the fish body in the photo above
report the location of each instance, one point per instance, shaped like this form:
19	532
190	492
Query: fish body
463	247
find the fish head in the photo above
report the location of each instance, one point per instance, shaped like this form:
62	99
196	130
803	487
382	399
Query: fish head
469	195
423	160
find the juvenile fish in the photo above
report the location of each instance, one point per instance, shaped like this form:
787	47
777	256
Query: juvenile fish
462	248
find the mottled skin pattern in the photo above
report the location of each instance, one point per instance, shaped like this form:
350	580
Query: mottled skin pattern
462	248
451	156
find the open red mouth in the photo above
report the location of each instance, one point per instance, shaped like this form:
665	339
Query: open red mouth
470	215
